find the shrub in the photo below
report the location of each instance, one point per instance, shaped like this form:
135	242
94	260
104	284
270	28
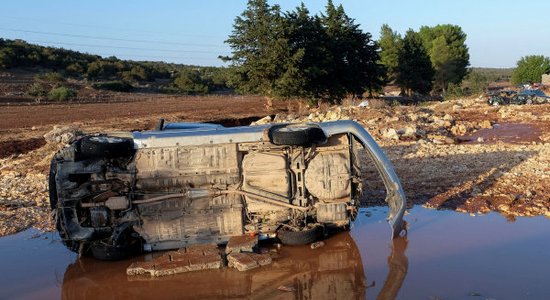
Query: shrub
61	94
37	90
117	85
51	77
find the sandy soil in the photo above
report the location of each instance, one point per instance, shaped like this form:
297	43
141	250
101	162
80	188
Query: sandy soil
462	154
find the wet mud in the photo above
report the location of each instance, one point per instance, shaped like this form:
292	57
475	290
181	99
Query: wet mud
446	255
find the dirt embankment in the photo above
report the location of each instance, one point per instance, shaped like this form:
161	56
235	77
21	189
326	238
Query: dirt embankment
462	154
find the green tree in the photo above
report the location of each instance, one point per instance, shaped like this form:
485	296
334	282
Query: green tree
299	55
355	61
446	45
261	54
415	71
530	69
390	45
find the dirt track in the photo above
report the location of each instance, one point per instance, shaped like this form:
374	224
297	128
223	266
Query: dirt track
189	108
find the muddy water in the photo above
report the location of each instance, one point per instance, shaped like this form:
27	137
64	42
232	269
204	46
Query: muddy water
446	255
505	132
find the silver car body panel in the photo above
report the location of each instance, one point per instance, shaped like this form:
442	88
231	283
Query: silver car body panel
208	135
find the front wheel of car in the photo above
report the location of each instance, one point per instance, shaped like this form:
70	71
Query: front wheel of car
297	135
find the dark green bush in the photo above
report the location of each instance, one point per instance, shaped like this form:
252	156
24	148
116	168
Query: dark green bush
117	86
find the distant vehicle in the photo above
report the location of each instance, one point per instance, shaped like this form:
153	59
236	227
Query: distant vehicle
185	183
526	96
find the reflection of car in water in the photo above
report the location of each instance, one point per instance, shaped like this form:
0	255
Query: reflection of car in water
334	271
202	183
331	272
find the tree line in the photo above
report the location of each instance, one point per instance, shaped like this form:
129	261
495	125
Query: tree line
292	54
110	73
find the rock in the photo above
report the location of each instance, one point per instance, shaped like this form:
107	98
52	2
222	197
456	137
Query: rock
262	121
486	124
248	261
450	141
316	245
407	132
332	116
390	133
242	243
480	140
448	117
62	134
459	129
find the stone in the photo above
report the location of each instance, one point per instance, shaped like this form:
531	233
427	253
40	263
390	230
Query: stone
262	121
407	132
242	243
459	130
62	134
248	261
390	133
486	124
448	117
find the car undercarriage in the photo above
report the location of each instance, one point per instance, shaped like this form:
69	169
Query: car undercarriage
119	194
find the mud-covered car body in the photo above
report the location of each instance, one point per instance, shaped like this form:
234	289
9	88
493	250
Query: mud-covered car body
183	184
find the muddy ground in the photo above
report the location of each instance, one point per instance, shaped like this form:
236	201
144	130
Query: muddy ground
462	154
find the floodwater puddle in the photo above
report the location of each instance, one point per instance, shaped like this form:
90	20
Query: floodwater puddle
505	132
446	255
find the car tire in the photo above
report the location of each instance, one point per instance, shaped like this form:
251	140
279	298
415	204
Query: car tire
102	251
297	135
295	238
105	146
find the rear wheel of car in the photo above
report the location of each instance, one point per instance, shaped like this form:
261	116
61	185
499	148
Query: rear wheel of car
106	146
302	237
297	135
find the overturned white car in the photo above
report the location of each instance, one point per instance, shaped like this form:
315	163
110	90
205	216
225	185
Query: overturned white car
120	194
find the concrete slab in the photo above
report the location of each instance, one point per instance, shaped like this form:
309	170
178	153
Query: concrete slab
248	261
242	243
194	258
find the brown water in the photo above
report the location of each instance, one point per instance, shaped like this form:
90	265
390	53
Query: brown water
446	255
505	132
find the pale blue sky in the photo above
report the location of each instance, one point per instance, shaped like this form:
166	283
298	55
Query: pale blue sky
193	32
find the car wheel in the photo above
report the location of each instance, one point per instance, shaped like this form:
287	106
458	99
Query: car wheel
106	146
297	135
303	237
